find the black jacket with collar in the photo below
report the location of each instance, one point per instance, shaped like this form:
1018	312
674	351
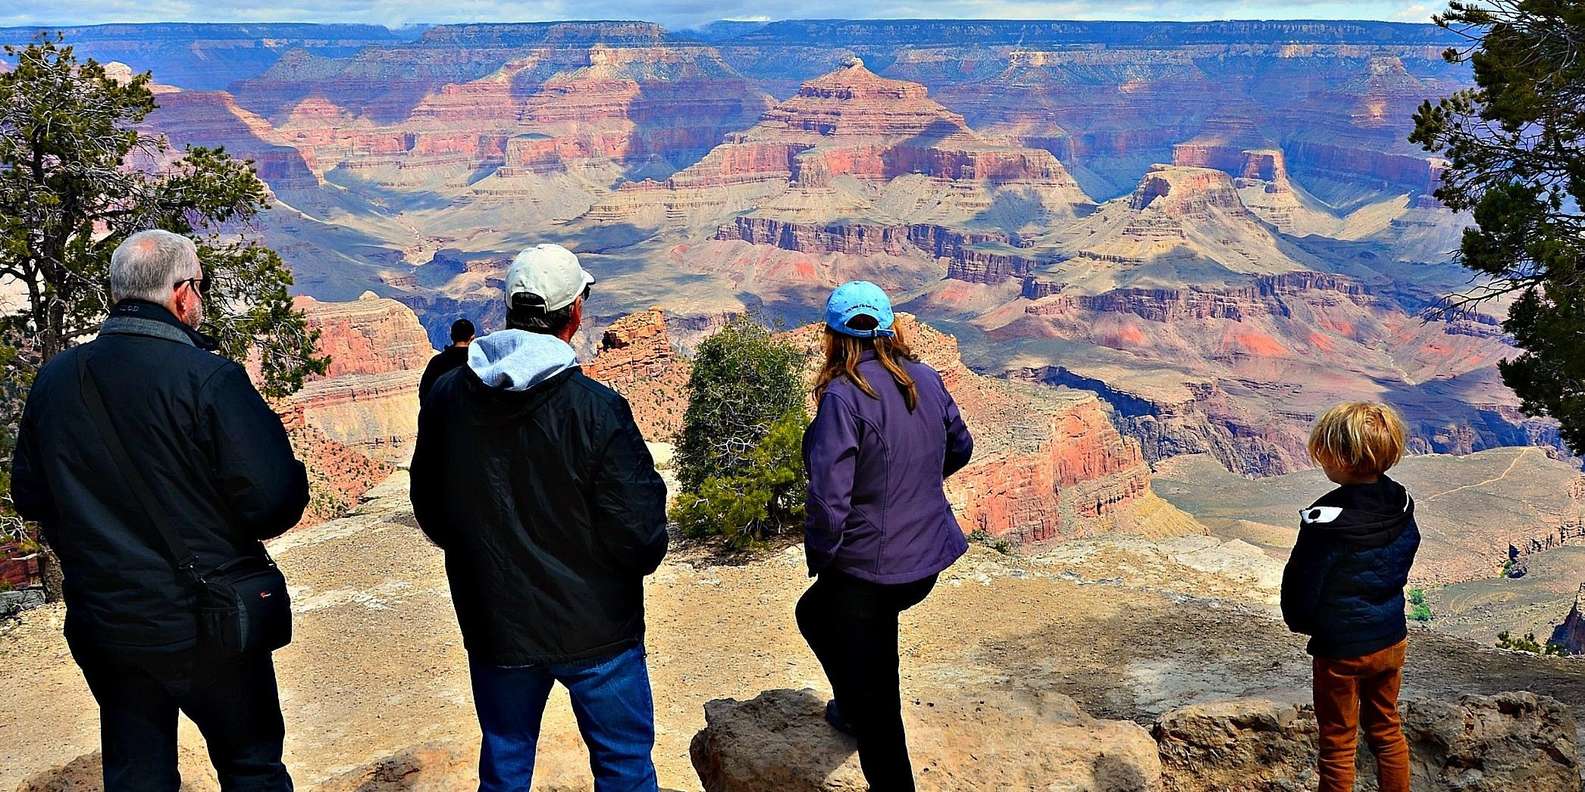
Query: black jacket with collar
215	453
548	506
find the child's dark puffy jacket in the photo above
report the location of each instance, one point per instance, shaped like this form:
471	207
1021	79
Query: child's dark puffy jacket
1343	585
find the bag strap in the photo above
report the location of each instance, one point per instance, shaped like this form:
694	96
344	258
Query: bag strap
181	555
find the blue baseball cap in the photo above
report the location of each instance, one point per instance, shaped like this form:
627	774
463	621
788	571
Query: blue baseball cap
859	298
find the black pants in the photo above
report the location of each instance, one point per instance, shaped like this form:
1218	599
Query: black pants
852	627
236	706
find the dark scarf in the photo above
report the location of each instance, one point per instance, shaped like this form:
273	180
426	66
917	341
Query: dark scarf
141	317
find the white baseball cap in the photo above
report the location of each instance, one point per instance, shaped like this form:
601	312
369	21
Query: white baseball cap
548	272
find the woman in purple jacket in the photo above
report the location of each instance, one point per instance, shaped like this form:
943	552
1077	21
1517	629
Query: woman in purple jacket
879	529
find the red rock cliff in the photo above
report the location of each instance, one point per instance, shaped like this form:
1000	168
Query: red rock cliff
636	358
367	336
368	399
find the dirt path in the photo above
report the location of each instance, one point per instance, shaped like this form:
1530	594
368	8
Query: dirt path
1519	457
378	664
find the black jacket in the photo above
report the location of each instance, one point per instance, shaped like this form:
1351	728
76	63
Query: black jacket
1343	585
215	453
549	509
449	358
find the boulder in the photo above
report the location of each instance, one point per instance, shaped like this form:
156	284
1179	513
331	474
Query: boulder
1247	744
86	773
1507	741
780	742
430	767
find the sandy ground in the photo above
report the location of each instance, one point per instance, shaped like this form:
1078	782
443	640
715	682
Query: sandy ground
1128	628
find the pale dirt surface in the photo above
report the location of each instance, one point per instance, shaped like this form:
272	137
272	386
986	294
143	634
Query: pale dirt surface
1127	627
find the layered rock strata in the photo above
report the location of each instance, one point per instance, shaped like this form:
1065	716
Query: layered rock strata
368	399
636	358
849	124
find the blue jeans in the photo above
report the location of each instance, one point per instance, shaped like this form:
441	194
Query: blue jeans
611	699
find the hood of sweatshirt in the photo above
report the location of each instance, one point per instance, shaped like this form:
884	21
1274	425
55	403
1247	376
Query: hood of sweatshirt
1369	515
517	360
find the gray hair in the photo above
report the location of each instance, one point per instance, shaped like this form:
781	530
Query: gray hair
147	264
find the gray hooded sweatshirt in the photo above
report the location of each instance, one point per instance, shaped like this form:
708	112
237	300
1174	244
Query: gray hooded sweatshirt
517	360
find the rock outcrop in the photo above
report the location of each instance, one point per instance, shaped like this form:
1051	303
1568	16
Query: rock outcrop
367	401
637	359
1507	741
1571	633
780	742
368	335
86	774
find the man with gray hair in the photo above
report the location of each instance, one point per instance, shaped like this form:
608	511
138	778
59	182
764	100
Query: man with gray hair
139	436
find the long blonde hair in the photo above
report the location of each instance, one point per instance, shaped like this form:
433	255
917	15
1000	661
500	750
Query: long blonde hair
843	353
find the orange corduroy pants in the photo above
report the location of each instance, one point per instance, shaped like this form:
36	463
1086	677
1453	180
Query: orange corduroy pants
1354	692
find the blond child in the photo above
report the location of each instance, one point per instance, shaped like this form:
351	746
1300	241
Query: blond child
1343	586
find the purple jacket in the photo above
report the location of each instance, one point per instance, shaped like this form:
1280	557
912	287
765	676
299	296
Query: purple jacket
876	509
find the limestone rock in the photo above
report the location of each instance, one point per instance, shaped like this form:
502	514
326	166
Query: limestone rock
780	742
369	335
431	767
1507	741
561	765
637	360
367	400
1252	744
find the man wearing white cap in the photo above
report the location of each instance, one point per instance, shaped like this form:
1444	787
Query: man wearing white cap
536	483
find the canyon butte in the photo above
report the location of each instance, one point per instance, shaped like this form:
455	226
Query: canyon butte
1142	255
1217	228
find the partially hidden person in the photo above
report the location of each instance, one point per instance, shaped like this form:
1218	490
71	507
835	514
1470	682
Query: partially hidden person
879	529
536	483
452	357
1343	586
155	469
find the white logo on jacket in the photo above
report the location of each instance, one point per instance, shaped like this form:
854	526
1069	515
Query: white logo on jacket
1321	515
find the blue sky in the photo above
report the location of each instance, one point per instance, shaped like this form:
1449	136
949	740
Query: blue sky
684	13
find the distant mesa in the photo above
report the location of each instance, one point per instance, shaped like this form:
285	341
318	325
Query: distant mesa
820	154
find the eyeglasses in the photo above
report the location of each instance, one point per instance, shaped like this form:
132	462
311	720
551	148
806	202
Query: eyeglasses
200	285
